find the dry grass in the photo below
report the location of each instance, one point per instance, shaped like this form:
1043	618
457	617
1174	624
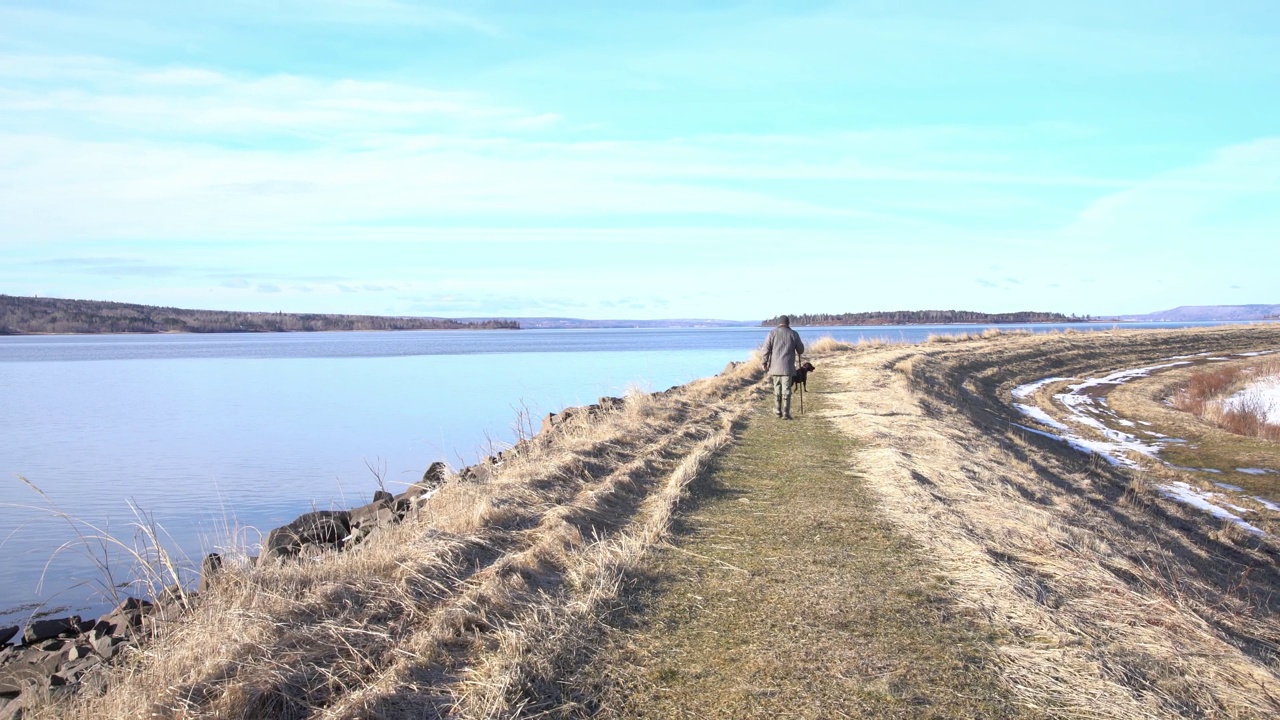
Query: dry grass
784	594
1222	396
457	614
1017	576
1121	603
828	344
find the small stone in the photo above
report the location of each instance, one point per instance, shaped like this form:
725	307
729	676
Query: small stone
76	652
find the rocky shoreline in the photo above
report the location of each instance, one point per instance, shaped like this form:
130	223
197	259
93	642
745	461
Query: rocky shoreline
60	656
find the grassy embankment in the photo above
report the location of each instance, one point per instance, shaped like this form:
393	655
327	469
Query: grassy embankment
931	558
1115	601
784	593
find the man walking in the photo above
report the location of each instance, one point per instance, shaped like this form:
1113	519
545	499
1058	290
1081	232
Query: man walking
779	354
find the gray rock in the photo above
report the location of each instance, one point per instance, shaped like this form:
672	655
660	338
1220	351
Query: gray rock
322	526
13	709
44	629
6	634
105	645
33	668
434	477
382	496
124	619
371	514
211	566
76	651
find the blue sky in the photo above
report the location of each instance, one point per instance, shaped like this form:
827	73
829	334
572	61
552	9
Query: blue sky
642	160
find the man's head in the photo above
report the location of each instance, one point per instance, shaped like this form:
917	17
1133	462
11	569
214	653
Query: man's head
784	321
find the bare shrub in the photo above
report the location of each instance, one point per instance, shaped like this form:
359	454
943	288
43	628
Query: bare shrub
1204	387
1222	396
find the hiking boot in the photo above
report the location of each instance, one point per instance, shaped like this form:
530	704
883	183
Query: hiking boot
787	416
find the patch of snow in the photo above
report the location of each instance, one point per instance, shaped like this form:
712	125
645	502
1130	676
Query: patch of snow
1089	409
1255	471
1041	433
1025	391
1255	353
1039	416
1218	359
1263	395
1267	504
1201	500
1229	486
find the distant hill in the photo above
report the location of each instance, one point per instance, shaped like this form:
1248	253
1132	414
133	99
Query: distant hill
571	323
25	315
929	317
1198	313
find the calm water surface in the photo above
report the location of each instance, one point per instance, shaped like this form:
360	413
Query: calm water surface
215	436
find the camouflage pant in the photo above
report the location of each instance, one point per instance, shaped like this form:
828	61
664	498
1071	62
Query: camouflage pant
781	394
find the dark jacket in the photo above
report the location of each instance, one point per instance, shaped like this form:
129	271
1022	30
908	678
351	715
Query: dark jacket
780	351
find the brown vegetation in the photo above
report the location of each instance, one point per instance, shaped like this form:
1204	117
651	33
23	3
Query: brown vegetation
1115	601
1206	394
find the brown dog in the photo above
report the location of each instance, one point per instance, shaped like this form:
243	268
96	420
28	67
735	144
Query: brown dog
800	381
801	377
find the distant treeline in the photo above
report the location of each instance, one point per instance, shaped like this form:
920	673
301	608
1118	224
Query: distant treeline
22	315
929	317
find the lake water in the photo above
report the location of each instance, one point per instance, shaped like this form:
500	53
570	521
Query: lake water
212	436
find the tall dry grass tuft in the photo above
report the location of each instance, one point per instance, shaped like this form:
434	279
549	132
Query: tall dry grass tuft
942	338
828	344
142	560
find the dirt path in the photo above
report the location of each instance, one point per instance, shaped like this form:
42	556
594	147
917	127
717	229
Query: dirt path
784	593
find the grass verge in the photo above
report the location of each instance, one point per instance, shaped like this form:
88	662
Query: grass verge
783	593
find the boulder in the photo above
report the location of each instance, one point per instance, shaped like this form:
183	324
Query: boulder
555	420
124	619
33	667
382	496
320	527
476	473
45	629
434	477
376	512
211	566
7	633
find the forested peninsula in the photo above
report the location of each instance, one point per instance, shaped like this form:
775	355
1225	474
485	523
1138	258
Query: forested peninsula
929	317
31	315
